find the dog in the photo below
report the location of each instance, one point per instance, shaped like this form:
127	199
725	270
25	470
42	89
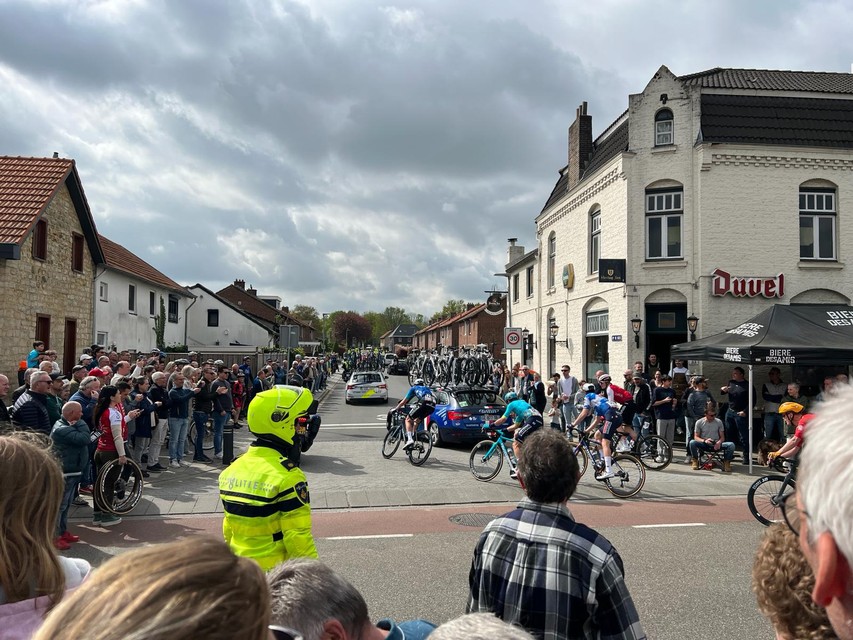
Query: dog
765	446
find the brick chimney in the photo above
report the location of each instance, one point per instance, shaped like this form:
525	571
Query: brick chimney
252	291
514	251
580	145
240	284
286	309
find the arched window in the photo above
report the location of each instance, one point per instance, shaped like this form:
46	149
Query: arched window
663	128
552	259
817	221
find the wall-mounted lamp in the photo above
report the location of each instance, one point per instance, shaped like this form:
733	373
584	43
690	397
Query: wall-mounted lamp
692	325
636	324
554	329
528	339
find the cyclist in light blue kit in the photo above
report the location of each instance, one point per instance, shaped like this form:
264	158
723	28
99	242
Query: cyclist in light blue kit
424	407
525	420
608	414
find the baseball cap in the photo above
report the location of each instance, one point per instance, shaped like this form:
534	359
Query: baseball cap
84	356
637	376
97	372
57	376
247	358
76	368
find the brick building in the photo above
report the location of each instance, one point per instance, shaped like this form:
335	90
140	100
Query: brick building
477	326
724	191
48	252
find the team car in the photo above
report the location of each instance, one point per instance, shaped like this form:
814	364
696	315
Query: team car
366	385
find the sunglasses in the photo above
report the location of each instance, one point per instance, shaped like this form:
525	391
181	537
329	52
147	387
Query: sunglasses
284	633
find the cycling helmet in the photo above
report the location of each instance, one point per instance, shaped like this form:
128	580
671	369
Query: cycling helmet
790	407
589	387
509	396
219	363
272	414
419	381
605	377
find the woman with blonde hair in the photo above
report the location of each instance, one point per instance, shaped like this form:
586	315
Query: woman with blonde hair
783	583
194	588
33	577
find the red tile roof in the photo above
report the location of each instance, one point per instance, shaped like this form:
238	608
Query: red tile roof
256	307
121	259
27	185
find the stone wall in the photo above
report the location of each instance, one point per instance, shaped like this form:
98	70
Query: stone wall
50	287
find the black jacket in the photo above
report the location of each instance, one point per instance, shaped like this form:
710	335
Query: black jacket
30	412
642	398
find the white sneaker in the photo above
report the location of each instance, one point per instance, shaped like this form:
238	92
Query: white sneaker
174	464
624	445
659	459
218	455
604	475
513	474
183	463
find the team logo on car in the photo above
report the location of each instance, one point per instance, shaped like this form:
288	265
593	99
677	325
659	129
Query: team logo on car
302	492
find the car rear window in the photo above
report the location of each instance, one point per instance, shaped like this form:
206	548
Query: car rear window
366	377
477	398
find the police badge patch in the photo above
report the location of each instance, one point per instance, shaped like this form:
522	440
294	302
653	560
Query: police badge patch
302	492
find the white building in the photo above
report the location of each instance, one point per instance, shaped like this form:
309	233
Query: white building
128	291
213	321
703	181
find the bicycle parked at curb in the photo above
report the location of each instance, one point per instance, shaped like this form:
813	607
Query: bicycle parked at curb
487	456
419	452
651	450
629	475
768	492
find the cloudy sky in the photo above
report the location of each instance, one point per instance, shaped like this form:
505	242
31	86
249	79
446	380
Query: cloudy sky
347	154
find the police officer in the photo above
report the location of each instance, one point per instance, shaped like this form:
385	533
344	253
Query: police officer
264	495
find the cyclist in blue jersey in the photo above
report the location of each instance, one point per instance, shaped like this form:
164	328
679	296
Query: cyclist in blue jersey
424	406
525	420
606	413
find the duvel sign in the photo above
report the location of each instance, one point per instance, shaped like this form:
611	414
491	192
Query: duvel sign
747	287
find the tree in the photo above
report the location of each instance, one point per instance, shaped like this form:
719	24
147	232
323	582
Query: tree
306	314
393	316
450	308
349	327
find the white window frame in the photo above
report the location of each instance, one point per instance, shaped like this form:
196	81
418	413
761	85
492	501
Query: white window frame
528	278
102	338
103	294
131	299
594	241
819	207
664	128
552	260
598	323
516	284
665	205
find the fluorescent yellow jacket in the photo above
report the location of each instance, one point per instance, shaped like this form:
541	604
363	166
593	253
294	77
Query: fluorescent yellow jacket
267	507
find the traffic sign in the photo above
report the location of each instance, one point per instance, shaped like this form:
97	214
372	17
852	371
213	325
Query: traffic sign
512	338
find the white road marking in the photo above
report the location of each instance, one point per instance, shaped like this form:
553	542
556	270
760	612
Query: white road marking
387	535
353	425
678	524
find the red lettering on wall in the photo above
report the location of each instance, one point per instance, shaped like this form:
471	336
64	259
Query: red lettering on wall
746	287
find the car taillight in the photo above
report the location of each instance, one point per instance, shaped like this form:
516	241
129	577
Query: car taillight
383	386
458	415
350	387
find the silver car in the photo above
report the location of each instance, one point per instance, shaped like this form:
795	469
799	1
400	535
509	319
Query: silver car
367	385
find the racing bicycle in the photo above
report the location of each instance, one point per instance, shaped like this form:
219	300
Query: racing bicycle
652	451
422	447
629	473
768	492
487	456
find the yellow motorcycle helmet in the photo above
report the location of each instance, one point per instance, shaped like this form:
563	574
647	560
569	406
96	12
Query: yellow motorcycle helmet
273	413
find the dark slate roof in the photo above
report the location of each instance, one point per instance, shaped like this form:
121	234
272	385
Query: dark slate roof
771	80
602	151
813	122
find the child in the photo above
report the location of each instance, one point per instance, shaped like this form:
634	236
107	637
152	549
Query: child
554	413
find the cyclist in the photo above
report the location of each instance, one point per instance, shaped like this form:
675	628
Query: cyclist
525	420
424	407
608	414
790	411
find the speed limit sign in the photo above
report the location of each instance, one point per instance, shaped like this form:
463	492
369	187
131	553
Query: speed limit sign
512	338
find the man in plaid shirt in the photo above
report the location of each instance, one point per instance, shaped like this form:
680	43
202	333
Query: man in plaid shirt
538	568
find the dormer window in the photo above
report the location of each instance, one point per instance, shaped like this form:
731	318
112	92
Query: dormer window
663	128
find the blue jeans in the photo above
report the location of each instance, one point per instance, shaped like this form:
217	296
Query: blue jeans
737	427
200	419
218	426
728	449
68	495
177	436
774	428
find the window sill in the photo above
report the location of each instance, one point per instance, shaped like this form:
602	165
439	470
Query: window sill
665	148
820	264
551	291
593	277
131	313
664	264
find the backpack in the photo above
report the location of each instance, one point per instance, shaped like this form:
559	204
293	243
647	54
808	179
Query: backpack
620	395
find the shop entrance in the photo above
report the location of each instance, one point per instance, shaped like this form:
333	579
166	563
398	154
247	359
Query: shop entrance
666	325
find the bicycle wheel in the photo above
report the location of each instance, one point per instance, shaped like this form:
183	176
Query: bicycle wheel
764	496
127	487
486	460
629	478
654	452
583	460
207	443
391	442
419	452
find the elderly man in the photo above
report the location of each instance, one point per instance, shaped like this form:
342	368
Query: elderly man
538	567
5	420
30	410
70	437
823	513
